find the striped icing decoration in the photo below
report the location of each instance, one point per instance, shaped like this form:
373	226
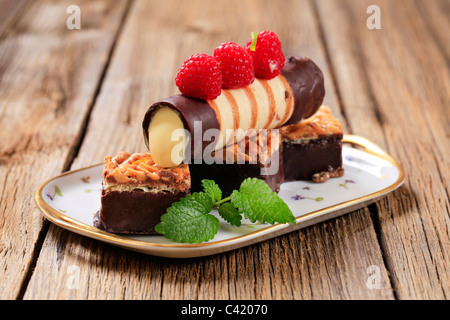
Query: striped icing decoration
265	104
272	106
253	106
289	96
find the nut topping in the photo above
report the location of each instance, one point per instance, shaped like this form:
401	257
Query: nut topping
320	124
139	168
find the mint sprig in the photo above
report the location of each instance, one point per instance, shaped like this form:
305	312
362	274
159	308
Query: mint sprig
190	220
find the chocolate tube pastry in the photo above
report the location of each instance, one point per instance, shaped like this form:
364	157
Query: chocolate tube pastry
293	95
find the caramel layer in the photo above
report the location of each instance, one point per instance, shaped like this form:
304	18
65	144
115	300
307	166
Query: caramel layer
322	123
140	169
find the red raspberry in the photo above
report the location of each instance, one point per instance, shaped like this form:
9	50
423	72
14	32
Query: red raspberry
200	77
268	57
236	65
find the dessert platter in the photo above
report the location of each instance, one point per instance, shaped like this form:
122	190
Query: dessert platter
246	152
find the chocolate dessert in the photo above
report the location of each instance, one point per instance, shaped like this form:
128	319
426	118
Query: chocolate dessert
288	98
136	192
312	148
226	136
258	156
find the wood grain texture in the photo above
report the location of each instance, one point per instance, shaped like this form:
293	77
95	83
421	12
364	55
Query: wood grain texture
70	97
10	11
48	78
396	92
326	261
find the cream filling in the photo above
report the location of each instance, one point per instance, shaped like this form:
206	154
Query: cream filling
166	138
130	188
300	140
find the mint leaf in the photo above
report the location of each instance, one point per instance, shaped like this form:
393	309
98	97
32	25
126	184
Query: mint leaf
259	203
212	189
230	214
189	220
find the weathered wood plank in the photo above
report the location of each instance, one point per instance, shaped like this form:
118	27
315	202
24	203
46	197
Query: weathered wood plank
435	20
10	11
48	79
394	85
329	260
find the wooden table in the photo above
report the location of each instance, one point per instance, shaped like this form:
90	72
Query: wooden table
68	97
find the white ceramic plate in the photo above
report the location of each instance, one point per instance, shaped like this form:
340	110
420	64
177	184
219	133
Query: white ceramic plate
71	200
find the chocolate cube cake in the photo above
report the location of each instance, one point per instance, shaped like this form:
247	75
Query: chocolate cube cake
312	148
136	192
259	156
